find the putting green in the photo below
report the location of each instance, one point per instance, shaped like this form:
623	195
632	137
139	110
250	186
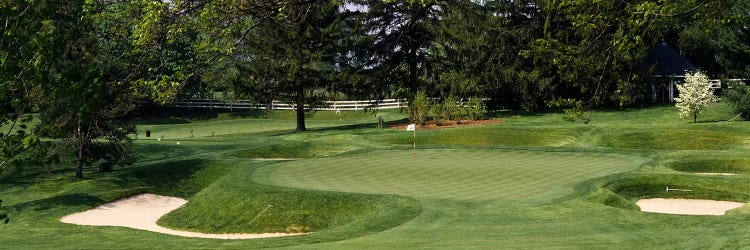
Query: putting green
522	176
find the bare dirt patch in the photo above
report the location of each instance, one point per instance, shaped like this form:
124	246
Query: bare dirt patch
687	206
450	124
142	211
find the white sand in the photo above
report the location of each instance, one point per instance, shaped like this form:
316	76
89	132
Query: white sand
141	212
687	206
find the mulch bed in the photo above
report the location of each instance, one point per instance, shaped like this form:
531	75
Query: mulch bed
450	124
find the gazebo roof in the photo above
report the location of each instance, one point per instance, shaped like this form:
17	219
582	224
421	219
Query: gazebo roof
669	62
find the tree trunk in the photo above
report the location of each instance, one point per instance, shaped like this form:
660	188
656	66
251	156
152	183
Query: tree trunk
79	162
413	71
300	110
695	118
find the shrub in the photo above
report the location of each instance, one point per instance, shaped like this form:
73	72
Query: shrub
574	109
452	108
419	108
476	108
739	96
446	111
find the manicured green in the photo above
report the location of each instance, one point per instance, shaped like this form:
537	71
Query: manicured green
534	181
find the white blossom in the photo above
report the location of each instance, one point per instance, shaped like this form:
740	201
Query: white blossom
695	96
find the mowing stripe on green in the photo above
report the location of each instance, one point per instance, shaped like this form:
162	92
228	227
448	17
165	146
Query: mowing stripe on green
447	174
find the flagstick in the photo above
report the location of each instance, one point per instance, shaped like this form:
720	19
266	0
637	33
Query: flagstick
415	137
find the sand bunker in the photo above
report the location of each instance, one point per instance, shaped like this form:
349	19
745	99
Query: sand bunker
141	212
687	206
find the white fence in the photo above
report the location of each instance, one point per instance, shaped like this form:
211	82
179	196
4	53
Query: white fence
278	105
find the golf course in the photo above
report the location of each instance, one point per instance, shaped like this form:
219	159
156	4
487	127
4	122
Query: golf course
532	181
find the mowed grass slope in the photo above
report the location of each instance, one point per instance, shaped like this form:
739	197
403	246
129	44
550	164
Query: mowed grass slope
534	181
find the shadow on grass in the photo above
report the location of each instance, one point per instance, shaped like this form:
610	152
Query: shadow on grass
169	178
60	200
327	129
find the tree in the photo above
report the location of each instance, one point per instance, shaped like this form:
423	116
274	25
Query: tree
398	43
695	96
717	38
293	58
59	69
262	50
18	82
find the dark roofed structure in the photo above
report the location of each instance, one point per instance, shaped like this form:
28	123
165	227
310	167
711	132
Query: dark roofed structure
668	62
670	70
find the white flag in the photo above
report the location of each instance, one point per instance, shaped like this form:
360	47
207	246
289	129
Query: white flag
411	127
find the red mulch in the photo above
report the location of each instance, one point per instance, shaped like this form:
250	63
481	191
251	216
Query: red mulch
450	124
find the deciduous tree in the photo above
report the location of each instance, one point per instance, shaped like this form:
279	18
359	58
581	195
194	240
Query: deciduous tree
695	96
59	69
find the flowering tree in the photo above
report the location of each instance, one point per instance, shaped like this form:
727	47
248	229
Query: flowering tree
695	96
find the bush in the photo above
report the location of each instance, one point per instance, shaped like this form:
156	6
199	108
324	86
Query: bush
476	108
419	108
446	111
739	96
574	109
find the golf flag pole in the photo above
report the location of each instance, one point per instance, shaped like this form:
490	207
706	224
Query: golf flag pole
413	127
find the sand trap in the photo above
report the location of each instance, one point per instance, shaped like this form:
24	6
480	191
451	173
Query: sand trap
687	206
722	174
141	212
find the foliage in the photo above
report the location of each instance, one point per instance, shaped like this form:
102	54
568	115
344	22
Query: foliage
574	109
739	96
716	38
18	80
447	110
395	42
68	63
476	108
695	96
419	108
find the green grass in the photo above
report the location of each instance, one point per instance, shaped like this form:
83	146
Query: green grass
532	182
470	175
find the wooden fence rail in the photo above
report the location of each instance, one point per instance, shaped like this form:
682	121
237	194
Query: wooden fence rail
278	105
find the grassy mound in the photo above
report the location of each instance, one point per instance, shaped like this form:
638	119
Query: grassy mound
234	204
712	164
671	138
654	186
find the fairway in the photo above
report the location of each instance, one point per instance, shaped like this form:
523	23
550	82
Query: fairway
471	175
